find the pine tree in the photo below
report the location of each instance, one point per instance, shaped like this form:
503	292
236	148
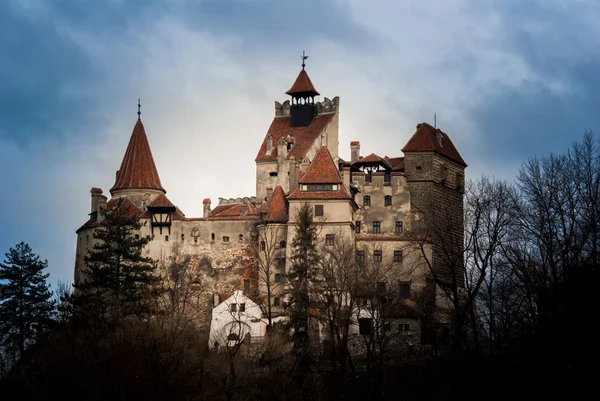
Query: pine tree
25	299
304	259
119	281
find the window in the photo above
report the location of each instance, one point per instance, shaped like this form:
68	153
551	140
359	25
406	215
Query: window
398	256
212	237
263	246
398	227
321	187
318	210
183	237
241	237
225	239
254	237
381	287
233	307
360	256
329	239
166	237
282	244
276	301
242	307
368	177
365	326
388	200
246	286
376	227
377	256
278	278
195	240
404	289
273	174
357	227
366	200
404	327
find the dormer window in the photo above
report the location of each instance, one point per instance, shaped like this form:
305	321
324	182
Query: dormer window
319	187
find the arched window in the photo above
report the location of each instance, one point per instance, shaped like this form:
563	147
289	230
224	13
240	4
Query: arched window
366	200
276	301
263	246
278	278
388	200
282	244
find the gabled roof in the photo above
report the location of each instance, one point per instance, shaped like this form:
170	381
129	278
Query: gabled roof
425	140
372	159
277	207
303	86
137	170
322	169
161	201
305	136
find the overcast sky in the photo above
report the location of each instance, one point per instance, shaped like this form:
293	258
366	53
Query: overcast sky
508	79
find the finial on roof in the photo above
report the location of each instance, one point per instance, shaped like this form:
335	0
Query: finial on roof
304	57
139	110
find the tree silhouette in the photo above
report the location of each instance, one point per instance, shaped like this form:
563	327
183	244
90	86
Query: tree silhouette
25	300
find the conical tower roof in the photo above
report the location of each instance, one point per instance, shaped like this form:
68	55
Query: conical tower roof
137	170
303	86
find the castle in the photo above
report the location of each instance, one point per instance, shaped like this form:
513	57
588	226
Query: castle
376	203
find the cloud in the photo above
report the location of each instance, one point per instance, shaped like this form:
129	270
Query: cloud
506	80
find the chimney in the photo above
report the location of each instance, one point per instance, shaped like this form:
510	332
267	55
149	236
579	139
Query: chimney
96	193
206	205
293	177
354	151
102	203
269	144
281	148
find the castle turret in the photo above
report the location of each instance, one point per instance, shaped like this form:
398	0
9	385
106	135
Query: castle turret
138	174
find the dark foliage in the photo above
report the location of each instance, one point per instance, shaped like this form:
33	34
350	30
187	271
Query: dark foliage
25	300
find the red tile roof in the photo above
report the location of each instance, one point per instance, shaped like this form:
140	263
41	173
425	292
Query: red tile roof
126	208
96	190
372	159
397	163
425	140
236	211
322	169
303	86
161	201
305	136
277	207
137	170
341	193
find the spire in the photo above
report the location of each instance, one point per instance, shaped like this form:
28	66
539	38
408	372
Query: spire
137	170
139	110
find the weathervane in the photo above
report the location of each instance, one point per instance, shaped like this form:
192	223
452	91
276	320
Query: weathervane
139	110
304	57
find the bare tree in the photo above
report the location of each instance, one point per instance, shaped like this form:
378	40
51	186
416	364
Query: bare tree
268	253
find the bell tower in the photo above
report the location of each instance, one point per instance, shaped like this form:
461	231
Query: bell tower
303	92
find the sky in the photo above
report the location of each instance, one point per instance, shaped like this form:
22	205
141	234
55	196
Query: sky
507	80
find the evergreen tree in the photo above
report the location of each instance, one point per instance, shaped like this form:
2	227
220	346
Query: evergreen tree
25	299
119	281
304	259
